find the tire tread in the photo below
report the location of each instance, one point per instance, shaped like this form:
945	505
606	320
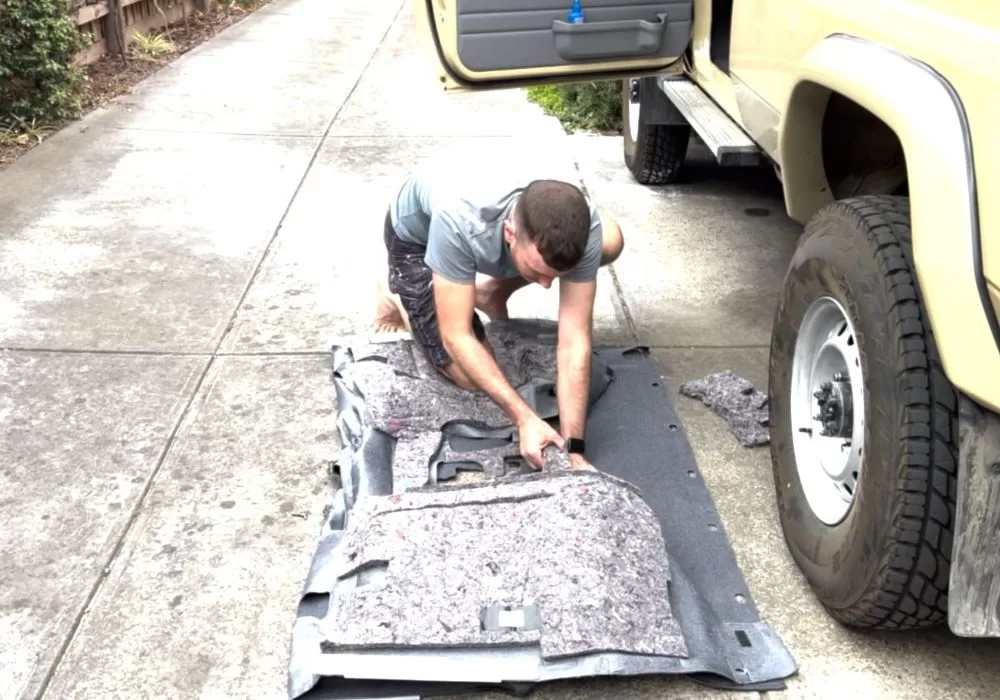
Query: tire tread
662	152
910	588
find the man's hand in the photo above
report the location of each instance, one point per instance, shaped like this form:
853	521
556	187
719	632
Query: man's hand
535	435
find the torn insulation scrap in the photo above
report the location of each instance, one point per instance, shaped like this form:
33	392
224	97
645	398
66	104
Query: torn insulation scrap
737	401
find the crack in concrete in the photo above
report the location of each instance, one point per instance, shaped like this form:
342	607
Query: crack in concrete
164	353
615	282
120	544
161	460
709	347
626	311
206	132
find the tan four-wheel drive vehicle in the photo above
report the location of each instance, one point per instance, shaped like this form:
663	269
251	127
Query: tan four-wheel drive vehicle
882	120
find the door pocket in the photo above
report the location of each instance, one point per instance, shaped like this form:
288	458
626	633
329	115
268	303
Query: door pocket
629	38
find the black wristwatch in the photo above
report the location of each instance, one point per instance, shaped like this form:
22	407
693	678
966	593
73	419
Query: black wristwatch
575	446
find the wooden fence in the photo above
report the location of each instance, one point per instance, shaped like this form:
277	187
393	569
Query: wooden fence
96	21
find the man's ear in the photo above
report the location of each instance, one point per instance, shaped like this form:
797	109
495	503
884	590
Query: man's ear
509	234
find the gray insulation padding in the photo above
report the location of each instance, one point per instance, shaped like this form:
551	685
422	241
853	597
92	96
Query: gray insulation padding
736	400
581	547
404	395
407	399
423	567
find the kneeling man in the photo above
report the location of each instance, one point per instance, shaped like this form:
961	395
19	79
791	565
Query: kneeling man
443	228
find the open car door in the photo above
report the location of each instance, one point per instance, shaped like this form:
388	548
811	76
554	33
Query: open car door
482	44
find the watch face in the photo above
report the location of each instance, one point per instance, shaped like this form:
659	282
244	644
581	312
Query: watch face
575	446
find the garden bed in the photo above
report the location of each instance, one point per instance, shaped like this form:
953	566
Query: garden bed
111	76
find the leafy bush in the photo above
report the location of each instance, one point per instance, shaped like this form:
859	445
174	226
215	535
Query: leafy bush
38	81
593	106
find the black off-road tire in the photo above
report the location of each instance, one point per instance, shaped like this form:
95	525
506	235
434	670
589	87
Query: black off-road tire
886	564
657	153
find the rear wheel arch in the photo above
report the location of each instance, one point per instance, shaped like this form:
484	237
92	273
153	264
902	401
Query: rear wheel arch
838	148
924	115
803	177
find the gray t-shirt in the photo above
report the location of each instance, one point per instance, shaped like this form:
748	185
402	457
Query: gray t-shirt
457	213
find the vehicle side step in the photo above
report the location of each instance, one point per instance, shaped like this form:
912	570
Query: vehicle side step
723	136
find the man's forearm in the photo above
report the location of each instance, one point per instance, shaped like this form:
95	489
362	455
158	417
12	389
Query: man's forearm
479	366
573	387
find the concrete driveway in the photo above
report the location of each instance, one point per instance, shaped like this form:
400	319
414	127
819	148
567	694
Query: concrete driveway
172	269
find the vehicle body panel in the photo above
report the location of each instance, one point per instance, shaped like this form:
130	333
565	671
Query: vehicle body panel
958	40
943	195
489	44
712	80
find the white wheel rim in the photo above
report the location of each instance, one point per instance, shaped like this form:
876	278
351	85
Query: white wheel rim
827	376
633	111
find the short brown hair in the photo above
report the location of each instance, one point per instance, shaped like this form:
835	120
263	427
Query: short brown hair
555	216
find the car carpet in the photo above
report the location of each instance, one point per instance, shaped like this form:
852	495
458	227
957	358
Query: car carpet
446	565
603	588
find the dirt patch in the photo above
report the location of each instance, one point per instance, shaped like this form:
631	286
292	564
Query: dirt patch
112	76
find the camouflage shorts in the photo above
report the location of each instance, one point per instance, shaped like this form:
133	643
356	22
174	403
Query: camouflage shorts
411	279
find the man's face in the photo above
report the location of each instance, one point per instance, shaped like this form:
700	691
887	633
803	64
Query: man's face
527	259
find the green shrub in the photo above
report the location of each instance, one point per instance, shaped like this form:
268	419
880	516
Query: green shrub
38	81
591	106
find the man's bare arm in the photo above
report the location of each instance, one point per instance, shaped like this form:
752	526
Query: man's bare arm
455	304
576	313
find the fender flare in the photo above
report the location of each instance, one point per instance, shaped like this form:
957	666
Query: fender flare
927	115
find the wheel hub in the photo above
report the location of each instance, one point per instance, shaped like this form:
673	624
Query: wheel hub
834	402
827	404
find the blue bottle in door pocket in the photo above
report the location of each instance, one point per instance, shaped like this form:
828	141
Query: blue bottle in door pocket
576	13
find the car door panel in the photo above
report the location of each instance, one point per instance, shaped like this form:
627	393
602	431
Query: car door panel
500	40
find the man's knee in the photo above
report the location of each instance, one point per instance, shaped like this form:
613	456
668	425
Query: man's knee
613	242
458	376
